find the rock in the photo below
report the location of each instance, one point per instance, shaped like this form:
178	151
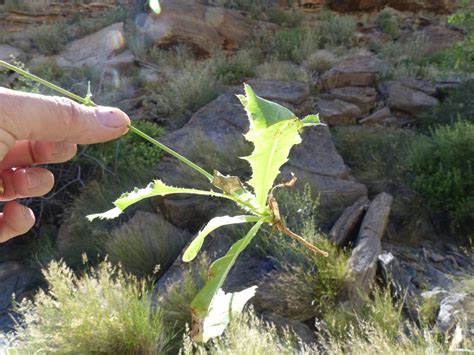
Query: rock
407	99
434	38
15	279
8	52
292	92
301	330
213	139
377	118
362	265
355	71
344	227
452	309
94	50
200	27
338	112
363	97
311	5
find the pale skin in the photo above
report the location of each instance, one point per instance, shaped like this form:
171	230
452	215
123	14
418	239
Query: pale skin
35	130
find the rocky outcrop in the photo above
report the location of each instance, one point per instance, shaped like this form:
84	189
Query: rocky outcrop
434	38
362	265
354	71
200	27
214	139
93	50
362	97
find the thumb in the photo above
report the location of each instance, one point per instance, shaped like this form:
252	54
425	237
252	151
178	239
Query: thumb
26	116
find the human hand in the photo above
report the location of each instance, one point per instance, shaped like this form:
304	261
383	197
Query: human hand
36	129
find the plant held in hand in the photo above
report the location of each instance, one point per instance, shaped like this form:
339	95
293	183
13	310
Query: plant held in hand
274	130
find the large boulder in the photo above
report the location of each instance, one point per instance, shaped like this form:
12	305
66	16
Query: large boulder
434	38
355	71
94	50
404	96
363	97
200	27
213	138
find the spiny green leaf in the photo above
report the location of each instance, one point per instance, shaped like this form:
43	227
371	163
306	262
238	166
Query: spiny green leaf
217	275
156	188
262	113
272	148
211	226
223	308
155	6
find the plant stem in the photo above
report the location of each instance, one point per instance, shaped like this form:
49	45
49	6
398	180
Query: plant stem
171	152
88	102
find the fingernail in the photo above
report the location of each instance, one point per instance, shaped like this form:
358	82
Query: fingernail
2	187
26	211
111	117
58	148
33	179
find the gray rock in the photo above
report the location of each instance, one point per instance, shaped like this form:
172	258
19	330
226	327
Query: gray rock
362	265
452	310
95	49
213	138
377	118
8	52
338	113
342	230
292	92
363	97
301	330
355	71
408	100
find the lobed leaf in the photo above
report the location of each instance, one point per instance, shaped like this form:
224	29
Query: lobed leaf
156	188
272	148
211	226
262	113
200	306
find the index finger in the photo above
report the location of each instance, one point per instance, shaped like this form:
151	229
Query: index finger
25	116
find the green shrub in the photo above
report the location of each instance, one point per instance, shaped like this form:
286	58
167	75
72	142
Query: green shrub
455	107
140	248
335	30
104	311
388	22
320	61
127	154
443	169
234	68
295	44
285	17
177	57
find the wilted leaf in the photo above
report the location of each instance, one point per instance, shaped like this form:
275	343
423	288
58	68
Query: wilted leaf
228	184
223	308
217	275
155	6
211	226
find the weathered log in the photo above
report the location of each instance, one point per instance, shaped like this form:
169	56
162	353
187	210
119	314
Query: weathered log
341	231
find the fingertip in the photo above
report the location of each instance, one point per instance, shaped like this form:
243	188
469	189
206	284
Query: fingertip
112	117
15	220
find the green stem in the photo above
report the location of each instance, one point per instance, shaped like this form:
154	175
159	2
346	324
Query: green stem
171	152
88	102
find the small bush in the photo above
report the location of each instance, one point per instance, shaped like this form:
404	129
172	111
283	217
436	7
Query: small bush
140	248
285	17
279	70
177	57
104	311
388	22
320	61
294	44
234	68
443	168
335	30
